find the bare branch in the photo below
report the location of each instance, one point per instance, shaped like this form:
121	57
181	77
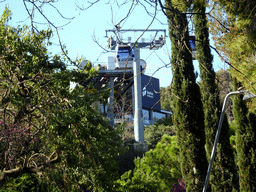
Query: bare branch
117	26
230	64
95	41
165	8
91	4
159	68
150	14
226	28
160	59
30	169
62	47
39	9
60	13
147	27
31	15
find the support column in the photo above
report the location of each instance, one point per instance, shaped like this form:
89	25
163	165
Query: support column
111	102
138	123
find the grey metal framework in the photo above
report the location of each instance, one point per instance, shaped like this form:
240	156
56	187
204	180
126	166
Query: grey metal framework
152	44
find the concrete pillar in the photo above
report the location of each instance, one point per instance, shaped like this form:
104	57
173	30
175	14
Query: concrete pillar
138	122
111	102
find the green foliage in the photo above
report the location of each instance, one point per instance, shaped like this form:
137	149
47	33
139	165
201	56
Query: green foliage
245	143
232	138
156	171
224	87
182	5
126	159
223	170
26	182
154	133
234	35
166	98
64	127
188	114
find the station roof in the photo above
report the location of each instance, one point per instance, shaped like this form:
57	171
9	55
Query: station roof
123	80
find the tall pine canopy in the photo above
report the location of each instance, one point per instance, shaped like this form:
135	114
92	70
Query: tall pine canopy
245	142
188	114
234	36
223	169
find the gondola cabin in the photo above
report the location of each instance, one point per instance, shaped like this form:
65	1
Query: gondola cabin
124	57
192	42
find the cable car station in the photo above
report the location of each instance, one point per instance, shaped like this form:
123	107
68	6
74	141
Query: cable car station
124	73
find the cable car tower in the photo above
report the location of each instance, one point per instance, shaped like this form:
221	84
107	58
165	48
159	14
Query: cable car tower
127	56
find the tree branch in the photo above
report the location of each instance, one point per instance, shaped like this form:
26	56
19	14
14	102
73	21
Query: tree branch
51	24
60	12
95	41
117	26
91	4
28	168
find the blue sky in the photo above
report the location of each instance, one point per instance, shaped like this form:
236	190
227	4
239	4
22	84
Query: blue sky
77	35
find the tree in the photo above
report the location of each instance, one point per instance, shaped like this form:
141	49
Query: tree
46	122
235	39
245	143
26	70
223	169
224	87
158	170
187	107
154	133
234	35
165	98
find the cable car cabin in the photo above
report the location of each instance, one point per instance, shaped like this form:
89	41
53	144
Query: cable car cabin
124	57
192	42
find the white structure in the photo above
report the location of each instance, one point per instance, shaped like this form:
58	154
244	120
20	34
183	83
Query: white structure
123	57
110	63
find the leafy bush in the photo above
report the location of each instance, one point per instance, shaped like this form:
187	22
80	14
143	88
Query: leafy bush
154	133
26	182
156	171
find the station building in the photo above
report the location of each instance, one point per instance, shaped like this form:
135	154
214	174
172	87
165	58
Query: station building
123	105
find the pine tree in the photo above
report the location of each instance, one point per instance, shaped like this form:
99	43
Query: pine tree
187	108
223	169
234	32
245	143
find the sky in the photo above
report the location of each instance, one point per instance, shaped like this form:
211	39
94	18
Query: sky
77	33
